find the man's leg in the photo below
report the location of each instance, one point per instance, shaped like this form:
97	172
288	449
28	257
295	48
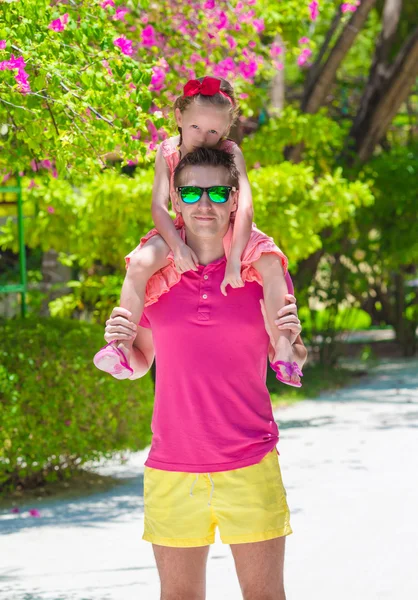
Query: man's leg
182	572
259	568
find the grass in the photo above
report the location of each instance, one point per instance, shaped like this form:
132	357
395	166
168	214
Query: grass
316	379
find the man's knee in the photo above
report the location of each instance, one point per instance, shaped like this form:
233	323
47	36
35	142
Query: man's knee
182	593
253	592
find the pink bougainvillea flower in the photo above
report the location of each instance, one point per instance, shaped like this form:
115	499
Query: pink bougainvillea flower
303	56
244	96
259	25
347	7
22	79
224	67
137	136
107	3
157	79
256	165
120	14
239	7
222	22
252	44
16	63
144	19
51	211
34	512
209	4
15	510
275	50
248	69
148	37
68	421
124	45
251	2
32	184
278	65
232	43
304	40
313	10
59	24
195	58
2	44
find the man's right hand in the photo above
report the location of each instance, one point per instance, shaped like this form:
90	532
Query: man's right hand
185	259
119	326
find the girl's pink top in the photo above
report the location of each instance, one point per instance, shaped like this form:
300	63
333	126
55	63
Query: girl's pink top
258	244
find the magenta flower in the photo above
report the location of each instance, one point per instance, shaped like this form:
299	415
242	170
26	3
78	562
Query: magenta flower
248	69
259	25
68	421
137	136
209	4
124	45
275	50
32	184
244	96
157	79
313	10
148	37
304	40
222	22
51	211
232	43
347	7
120	14
278	65
195	58
239	7
22	79
16	63
252	44
224	68
34	512
59	24
15	510
2	44
303	56
107	3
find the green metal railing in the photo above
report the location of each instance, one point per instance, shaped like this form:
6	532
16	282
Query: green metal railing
22	286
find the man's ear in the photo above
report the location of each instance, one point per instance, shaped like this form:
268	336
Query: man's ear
234	199
177	115
177	203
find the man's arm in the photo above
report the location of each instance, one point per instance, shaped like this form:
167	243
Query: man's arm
143	353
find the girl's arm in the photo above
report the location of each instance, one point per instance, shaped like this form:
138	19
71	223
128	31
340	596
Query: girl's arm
242	226
184	257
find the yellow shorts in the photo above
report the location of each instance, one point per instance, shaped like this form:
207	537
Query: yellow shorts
247	504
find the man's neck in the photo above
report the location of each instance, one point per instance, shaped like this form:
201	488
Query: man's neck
207	249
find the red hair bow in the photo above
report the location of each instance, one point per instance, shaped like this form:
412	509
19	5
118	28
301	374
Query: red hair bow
209	86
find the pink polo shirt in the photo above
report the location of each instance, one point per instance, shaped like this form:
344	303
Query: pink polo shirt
212	409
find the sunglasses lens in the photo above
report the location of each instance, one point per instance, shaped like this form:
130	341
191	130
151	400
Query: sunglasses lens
190	194
219	193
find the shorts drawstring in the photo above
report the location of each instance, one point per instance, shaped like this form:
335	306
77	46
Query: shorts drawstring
211	491
193	484
212	487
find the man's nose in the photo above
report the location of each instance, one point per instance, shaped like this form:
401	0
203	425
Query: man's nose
204	201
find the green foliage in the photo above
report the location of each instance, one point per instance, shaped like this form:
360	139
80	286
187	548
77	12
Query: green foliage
57	410
294	208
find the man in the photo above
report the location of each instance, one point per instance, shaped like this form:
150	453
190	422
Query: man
213	460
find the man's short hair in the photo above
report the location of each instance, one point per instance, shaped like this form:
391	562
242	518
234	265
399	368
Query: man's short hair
208	157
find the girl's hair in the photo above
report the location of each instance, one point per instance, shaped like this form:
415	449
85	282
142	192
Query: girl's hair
218	100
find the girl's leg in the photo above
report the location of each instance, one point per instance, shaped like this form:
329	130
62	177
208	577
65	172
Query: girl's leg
275	288
143	264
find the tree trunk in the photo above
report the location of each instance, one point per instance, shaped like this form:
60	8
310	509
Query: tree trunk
320	84
388	88
277	93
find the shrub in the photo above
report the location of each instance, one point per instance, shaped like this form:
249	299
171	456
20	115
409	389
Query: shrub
57	410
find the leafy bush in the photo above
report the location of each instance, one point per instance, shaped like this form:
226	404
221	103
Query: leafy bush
57	410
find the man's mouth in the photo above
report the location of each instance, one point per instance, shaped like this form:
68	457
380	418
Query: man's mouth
200	218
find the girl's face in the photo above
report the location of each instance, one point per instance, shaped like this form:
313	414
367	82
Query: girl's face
202	125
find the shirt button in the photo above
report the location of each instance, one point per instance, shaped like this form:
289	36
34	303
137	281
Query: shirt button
205	276
204	296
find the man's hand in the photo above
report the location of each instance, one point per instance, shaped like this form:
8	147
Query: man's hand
288	319
119	326
185	259
232	275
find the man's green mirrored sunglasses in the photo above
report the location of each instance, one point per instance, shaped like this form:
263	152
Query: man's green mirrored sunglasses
217	193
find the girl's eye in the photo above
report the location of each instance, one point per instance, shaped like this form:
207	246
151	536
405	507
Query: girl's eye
213	131
195	127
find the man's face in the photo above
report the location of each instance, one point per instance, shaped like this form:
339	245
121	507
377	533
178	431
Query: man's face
206	218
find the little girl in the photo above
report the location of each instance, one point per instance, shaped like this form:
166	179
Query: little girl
204	115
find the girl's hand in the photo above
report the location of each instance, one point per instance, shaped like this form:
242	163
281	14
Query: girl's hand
185	259
232	275
119	326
